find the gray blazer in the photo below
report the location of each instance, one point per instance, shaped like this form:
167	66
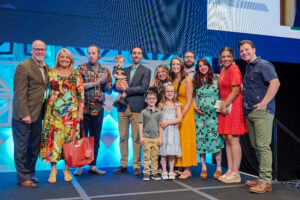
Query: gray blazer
29	87
137	88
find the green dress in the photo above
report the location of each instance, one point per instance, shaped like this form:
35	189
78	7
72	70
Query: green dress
65	97
207	137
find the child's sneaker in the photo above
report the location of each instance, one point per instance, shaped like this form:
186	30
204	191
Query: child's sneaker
156	177
146	177
164	176
172	176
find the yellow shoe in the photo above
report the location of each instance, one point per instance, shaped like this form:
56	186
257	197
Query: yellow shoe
52	177
68	176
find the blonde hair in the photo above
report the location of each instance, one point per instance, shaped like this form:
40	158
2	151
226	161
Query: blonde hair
71	67
158	83
164	98
119	57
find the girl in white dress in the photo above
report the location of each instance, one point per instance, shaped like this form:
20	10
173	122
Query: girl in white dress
170	146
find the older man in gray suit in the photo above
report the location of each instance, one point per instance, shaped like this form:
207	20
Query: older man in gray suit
138	79
30	86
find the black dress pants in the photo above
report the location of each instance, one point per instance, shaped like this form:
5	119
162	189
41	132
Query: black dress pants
27	141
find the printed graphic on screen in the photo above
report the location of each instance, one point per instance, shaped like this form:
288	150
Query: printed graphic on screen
279	18
290	13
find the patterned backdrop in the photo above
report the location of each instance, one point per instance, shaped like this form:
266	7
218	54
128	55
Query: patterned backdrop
13	53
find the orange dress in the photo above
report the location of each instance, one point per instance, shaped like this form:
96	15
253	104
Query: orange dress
187	132
234	122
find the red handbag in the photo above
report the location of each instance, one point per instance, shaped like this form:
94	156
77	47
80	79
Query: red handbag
79	152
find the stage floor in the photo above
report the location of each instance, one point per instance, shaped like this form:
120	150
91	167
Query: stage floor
127	186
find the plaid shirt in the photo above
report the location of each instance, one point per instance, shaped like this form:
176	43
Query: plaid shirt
94	96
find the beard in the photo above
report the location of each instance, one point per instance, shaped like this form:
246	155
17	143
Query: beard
189	65
137	61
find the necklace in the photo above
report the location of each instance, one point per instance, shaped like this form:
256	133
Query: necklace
64	72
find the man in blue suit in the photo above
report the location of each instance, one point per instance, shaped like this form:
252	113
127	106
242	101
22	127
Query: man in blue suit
138	79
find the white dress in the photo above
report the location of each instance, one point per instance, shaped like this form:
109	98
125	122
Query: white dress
170	140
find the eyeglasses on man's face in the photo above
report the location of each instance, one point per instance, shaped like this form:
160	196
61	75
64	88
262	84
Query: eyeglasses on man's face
39	49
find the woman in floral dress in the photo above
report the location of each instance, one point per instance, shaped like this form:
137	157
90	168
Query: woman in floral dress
206	93
64	111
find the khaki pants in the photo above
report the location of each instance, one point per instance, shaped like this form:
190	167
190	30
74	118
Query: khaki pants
124	119
150	150
260	124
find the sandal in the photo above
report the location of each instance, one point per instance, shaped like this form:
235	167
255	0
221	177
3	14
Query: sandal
185	176
67	175
164	176
235	179
224	176
52	177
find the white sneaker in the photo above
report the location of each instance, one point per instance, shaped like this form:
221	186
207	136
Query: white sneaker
172	176
164	176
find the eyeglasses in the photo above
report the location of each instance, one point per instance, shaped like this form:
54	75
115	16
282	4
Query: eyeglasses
39	49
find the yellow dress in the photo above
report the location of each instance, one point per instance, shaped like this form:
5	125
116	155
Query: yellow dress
187	131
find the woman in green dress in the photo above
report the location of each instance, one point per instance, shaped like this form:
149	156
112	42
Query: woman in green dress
206	93
64	111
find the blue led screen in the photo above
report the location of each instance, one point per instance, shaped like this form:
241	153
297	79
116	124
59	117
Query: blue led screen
169	26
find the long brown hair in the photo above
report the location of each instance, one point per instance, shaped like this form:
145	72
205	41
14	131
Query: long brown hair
182	72
199	77
157	82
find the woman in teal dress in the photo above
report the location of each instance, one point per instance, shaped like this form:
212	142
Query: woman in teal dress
206	93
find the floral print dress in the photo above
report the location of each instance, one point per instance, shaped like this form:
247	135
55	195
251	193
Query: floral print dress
207	136
62	106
